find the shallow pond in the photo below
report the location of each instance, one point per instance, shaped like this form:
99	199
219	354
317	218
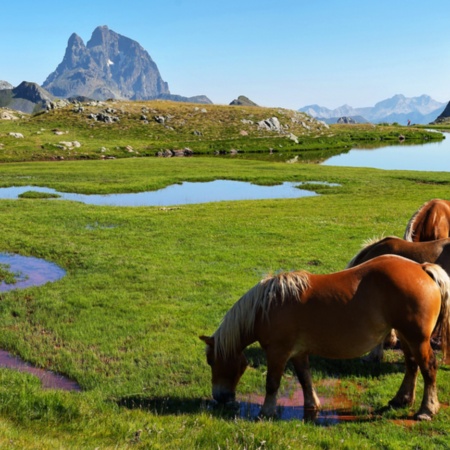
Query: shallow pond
30	271
178	194
433	157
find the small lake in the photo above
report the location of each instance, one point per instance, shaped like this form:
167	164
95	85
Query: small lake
433	157
178	194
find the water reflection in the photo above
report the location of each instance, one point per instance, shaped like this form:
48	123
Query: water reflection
177	194
49	379
29	271
433	157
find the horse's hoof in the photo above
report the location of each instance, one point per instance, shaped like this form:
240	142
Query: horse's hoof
423	416
232	405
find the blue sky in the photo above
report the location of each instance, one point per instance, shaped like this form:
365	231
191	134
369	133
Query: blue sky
286	53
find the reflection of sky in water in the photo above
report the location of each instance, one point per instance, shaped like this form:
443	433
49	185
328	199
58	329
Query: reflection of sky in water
177	194
434	157
31	271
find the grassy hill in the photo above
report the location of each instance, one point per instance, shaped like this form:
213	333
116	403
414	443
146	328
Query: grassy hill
119	129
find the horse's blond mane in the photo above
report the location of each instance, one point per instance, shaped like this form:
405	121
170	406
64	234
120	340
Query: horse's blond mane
239	321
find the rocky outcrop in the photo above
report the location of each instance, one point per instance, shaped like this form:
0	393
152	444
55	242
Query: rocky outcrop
243	101
108	66
5	85
346	119
202	99
27	97
444	117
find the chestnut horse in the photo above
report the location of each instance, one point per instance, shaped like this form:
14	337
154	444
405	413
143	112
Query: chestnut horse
339	315
431	221
437	252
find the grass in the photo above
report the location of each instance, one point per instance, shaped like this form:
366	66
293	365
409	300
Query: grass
6	276
143	283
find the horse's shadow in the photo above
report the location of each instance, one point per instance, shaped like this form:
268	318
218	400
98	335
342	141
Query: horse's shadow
248	409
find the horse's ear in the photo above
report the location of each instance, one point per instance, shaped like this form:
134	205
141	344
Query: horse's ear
209	340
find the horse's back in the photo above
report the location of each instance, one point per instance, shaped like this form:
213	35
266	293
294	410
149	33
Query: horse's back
347	313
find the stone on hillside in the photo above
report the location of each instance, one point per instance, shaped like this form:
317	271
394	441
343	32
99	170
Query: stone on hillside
272	124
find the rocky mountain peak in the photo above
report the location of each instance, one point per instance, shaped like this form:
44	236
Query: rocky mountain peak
108	66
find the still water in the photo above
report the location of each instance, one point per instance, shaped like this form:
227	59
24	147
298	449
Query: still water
29	271
177	194
433	157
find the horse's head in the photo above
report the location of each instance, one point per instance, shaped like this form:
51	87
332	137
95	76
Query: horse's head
226	372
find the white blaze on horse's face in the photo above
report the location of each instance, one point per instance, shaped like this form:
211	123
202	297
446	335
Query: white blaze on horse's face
226	373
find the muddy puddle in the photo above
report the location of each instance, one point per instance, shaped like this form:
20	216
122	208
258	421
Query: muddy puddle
49	379
336	407
29	271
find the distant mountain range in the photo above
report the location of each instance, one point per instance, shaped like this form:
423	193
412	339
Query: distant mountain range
399	109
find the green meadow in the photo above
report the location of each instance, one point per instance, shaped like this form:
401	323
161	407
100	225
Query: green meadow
143	283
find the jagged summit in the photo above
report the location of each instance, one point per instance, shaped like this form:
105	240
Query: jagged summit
242	100
108	66
444	117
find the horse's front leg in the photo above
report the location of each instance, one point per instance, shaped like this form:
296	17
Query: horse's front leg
276	363
301	367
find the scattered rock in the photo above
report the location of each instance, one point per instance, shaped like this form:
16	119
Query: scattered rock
16	135
272	124
345	119
7	115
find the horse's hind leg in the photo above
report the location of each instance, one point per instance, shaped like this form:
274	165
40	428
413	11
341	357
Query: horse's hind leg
406	393
416	356
301	367
428	368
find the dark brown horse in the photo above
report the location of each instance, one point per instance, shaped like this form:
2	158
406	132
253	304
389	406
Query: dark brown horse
437	252
431	221
339	315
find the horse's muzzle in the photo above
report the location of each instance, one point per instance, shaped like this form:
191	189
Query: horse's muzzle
223	396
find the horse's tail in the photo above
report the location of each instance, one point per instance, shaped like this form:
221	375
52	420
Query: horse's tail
442	279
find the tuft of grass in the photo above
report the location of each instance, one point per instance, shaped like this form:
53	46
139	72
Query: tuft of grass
35	194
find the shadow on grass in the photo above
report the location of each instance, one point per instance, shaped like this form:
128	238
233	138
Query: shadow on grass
336	409
166	406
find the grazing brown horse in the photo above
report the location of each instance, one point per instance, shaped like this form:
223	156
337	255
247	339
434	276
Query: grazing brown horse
431	221
339	315
437	252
